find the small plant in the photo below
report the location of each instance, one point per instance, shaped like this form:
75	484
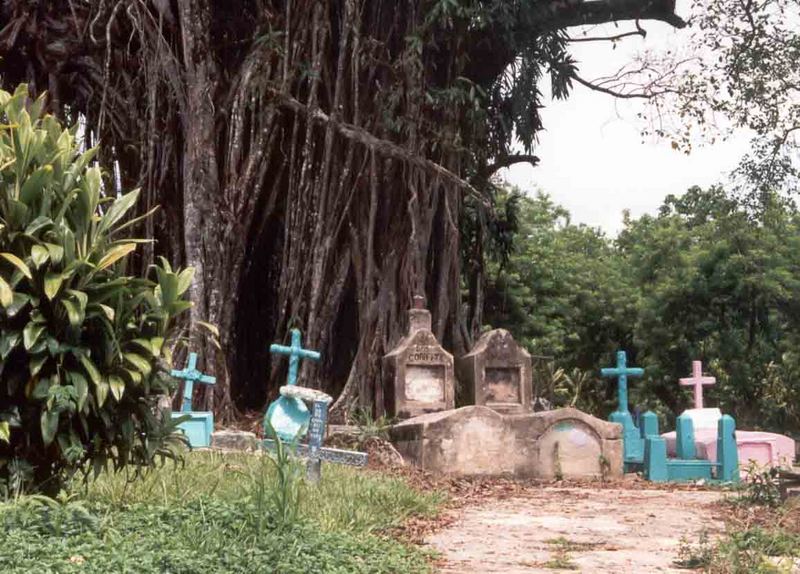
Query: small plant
285	494
698	555
369	427
82	345
761	487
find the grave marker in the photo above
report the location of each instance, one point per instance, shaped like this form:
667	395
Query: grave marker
496	373
418	370
200	425
314	451
289	416
632	436
698	381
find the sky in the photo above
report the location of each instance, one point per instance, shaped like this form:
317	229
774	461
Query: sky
593	158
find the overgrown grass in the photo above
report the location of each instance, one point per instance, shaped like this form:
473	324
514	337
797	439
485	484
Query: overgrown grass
217	513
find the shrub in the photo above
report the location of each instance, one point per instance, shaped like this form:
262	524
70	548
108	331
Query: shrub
80	342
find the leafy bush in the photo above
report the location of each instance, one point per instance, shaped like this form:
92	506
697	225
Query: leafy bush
80	342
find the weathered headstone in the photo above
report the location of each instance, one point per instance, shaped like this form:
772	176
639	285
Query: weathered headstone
419	371
200	425
496	373
289	416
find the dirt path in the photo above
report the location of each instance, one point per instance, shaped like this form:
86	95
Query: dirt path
576	530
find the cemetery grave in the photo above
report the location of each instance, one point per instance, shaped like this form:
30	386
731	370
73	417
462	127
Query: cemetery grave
764	449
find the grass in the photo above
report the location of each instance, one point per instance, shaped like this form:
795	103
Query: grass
762	534
561	559
217	513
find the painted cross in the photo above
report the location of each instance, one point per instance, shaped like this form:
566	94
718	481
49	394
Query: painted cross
190	375
289	416
697	380
314	450
295	352
622	372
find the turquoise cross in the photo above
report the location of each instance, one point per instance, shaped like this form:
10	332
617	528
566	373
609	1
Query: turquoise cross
622	372
289	416
190	374
295	352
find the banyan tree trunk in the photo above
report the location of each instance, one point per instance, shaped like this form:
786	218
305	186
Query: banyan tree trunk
298	160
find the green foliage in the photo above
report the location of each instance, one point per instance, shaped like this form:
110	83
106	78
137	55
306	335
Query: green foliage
740	552
80	342
761	486
707	278
209	516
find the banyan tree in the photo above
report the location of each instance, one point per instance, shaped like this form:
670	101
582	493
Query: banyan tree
318	162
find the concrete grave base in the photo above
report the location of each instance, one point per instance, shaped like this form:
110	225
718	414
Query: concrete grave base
478	441
233	440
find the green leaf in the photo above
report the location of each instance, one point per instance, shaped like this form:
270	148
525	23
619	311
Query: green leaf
52	283
32	188
37	224
6	294
39	255
5	432
31	334
117	386
101	393
49	426
91	370
18	263
139	362
209	327
56	252
8	342
118	210
73	312
144	344
81	388
185	280
19	303
115	254
36	363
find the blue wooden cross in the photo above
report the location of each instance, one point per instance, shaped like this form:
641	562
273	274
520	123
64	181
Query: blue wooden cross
189	375
289	416
622	372
295	352
196	425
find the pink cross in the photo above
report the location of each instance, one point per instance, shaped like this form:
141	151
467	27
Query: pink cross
698	380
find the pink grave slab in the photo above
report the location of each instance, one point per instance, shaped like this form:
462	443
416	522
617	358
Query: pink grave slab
763	448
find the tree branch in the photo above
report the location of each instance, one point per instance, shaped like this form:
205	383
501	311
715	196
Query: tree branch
567	14
378	145
508	161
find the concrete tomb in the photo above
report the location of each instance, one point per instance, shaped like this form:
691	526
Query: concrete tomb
685	464
761	448
200	424
478	441
496	373
420	376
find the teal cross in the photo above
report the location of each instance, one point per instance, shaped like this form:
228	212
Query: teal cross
190	374
295	352
622	372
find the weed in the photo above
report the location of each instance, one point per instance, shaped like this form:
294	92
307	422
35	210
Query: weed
695	555
761	487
